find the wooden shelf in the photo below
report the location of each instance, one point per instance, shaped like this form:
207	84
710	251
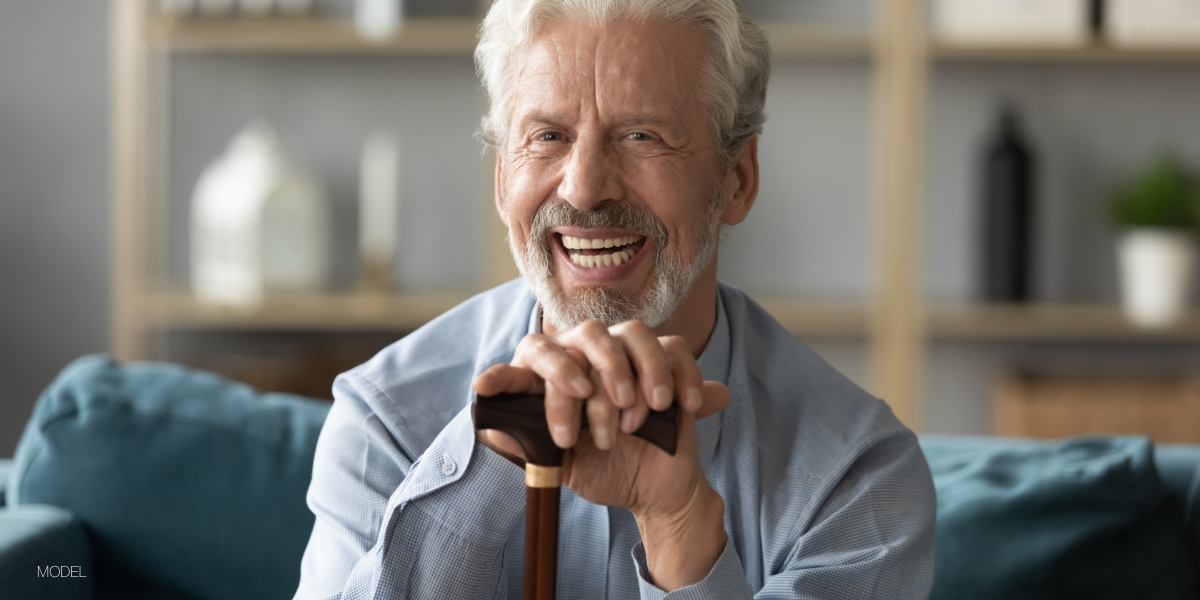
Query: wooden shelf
818	319
405	312
1092	53
1051	323
446	37
325	312
416	37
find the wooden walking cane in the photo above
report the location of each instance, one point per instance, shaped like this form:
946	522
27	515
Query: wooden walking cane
523	416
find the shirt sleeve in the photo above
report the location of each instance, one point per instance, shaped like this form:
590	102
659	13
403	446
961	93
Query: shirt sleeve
874	534
873	537
388	527
726	580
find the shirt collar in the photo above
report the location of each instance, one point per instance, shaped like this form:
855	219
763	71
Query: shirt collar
714	364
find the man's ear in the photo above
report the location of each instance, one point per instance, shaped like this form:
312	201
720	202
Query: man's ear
500	203
741	184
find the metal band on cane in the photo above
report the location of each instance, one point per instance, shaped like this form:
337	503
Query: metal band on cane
537	476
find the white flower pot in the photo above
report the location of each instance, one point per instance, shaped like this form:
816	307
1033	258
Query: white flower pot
1156	268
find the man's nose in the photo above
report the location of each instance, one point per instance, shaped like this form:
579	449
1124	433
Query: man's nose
589	175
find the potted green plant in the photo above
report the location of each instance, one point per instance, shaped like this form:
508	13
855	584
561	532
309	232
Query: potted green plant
1159	217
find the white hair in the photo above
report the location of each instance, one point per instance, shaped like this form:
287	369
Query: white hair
737	65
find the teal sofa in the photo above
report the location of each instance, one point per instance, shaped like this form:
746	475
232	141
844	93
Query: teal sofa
150	480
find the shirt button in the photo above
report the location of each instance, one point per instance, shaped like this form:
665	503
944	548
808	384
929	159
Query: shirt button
448	465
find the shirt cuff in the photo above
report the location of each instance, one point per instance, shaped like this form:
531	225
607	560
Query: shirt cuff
726	580
465	486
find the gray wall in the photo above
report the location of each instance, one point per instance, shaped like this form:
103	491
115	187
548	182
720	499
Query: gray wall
54	190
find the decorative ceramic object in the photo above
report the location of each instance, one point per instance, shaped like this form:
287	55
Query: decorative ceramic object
1157	268
1007	227
379	207
259	224
377	19
1012	22
1154	23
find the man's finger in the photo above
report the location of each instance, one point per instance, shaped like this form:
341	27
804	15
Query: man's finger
563	416
605	354
602	418
689	381
550	361
499	379
650	360
716	398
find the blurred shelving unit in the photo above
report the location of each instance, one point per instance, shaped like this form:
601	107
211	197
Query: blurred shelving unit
308	35
897	320
1096	52
1047	322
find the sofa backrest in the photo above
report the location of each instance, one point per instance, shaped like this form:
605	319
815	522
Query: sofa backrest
185	481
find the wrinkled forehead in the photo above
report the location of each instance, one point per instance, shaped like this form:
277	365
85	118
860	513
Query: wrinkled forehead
619	69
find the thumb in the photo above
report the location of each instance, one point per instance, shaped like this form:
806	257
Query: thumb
716	398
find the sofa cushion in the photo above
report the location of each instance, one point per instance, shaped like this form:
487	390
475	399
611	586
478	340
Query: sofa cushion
1080	518
1179	466
44	554
183	480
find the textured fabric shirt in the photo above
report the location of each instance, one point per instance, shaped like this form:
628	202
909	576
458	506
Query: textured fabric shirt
826	494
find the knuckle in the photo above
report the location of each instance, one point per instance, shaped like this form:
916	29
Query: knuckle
591	328
532	343
673	343
636	327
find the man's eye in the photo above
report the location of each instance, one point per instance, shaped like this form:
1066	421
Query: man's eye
641	137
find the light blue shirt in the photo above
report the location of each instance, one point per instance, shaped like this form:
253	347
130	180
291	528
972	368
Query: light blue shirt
826	494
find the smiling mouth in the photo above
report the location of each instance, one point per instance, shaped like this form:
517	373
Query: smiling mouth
599	253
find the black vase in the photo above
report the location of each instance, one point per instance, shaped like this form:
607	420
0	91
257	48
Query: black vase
1008	173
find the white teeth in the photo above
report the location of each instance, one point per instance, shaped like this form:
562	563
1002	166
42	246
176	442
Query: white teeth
595	261
574	243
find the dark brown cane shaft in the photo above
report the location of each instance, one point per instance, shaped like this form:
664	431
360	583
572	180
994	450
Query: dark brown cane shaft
523	416
541	542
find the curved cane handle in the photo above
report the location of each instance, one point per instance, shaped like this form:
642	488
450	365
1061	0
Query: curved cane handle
523	416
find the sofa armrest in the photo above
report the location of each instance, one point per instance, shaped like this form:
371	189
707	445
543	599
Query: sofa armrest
44	553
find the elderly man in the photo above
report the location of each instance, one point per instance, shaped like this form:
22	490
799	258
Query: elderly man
626	137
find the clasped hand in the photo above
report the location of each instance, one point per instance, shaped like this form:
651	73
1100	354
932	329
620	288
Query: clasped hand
617	375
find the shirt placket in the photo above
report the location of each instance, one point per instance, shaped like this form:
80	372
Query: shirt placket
583	549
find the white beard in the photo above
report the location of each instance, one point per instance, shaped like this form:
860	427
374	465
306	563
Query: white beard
672	279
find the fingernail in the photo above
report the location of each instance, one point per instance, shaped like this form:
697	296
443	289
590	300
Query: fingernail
562	435
662	397
627	421
625	394
603	438
582	386
695	399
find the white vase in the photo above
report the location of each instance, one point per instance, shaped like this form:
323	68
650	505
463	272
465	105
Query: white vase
377	20
1156	268
259	224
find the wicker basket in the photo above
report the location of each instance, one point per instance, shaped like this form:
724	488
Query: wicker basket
1165	408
